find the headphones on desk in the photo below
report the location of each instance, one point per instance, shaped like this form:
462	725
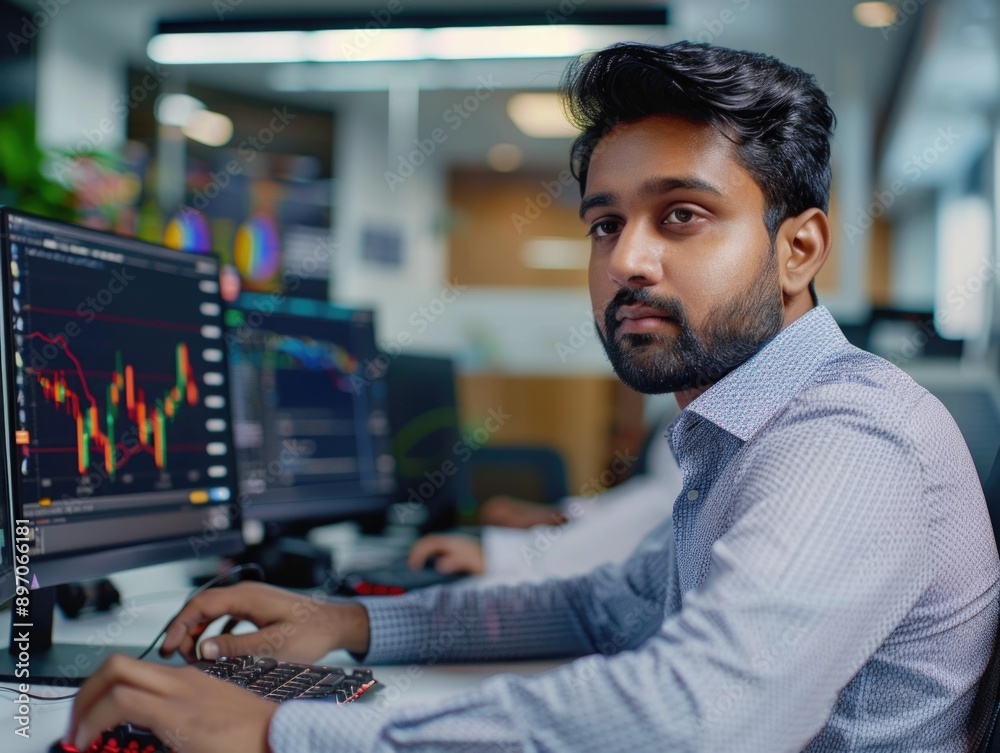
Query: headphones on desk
75	599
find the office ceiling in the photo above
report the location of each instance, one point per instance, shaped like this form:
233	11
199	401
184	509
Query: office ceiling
818	35
850	62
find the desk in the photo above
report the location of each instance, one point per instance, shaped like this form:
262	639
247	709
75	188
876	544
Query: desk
151	596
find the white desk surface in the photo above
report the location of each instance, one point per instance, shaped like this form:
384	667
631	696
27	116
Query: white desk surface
150	597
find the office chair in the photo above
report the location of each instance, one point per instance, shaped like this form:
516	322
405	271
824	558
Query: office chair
532	472
972	396
988	711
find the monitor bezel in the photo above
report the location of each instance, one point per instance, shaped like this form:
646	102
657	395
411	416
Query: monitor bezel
8	578
66	567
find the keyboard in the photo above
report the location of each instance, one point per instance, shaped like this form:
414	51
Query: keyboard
283	681
267	678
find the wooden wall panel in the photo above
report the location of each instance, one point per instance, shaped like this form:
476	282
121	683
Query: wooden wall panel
493	216
828	279
880	264
577	416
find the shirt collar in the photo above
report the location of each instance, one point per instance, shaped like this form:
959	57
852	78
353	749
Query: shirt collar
750	395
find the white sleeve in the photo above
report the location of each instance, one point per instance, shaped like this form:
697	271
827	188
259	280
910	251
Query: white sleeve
601	529
604	530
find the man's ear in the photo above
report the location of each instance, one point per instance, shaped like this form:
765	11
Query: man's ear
802	245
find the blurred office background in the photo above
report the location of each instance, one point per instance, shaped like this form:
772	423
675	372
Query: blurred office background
360	152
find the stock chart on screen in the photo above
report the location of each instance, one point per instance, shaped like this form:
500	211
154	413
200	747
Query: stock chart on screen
120	380
306	412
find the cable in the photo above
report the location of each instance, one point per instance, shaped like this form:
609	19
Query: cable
217	580
39	697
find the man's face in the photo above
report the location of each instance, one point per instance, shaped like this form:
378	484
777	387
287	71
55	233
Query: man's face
683	275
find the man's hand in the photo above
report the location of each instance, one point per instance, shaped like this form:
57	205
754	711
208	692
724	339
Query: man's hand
511	512
455	553
291	627
189	711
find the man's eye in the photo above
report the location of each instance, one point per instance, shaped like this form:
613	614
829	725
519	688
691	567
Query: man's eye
603	228
680	216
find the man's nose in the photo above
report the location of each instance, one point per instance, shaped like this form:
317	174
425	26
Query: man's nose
636	260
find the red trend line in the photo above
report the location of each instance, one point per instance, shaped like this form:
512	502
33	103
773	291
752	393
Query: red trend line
120	445
147	376
61	341
149	419
115	318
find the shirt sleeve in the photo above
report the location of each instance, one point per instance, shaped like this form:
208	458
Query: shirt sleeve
828	554
503	551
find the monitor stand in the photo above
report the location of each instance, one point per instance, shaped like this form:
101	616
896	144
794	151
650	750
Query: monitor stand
32	657
291	562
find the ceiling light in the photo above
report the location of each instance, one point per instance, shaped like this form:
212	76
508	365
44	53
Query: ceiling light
177	109
209	128
228	47
540	116
519	41
480	42
505	158
381	35
347	45
875	15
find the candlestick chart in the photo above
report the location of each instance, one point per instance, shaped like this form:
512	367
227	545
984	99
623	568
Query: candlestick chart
99	419
117	393
296	389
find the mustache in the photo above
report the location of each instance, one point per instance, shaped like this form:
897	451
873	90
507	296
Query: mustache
671	307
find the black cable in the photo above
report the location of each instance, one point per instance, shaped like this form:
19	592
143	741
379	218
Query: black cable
39	697
217	580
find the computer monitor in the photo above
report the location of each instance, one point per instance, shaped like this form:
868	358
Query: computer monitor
118	438
309	413
432	476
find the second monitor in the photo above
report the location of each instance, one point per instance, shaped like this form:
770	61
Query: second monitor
310	423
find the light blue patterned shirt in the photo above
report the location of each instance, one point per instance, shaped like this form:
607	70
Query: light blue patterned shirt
828	582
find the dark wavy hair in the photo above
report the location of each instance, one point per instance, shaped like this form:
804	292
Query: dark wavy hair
777	117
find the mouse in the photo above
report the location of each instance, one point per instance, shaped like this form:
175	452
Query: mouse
125	738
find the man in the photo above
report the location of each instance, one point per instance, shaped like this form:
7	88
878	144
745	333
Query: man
829	579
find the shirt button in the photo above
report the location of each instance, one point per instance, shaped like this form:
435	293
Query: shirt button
693	495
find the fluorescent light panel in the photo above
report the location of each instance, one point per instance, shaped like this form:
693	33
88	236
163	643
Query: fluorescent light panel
353	45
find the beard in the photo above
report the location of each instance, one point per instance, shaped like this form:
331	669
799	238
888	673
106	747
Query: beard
734	331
